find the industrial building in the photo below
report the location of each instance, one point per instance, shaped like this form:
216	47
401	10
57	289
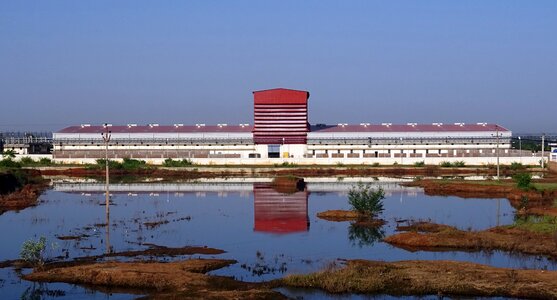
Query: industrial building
281	132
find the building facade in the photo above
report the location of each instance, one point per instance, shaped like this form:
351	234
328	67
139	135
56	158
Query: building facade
281	133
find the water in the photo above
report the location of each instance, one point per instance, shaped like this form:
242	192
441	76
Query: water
270	234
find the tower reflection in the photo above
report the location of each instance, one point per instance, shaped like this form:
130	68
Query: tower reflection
280	213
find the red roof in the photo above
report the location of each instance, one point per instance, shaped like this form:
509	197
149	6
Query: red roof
157	129
280	96
407	128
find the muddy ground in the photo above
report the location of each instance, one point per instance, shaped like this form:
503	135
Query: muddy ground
300	171
20	190
490	189
172	280
434	237
429	278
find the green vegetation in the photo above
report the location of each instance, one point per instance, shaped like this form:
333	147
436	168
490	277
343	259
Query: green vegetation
516	166
169	162
9	163
33	252
365	199
541	224
456	164
30	162
26	161
286	165
126	164
419	164
8	154
545	186
523	180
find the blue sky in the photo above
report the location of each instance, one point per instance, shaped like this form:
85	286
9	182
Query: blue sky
72	62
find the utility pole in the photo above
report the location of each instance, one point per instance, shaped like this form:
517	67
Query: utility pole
543	149
520	148
497	150
106	137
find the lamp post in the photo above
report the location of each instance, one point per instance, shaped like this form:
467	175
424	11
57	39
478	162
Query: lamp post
520	148
543	149
497	148
106	137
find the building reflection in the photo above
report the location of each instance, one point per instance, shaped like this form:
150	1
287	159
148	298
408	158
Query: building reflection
280	213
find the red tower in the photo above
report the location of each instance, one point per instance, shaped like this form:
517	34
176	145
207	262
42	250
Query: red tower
280	116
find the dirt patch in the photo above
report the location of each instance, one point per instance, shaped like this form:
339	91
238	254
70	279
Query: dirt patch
155	250
288	184
434	237
72	237
486	189
350	215
182	279
430	278
300	171
22	198
340	215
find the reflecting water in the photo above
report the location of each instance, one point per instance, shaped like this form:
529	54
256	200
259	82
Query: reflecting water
270	233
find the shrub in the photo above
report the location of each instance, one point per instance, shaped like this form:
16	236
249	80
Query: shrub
459	164
419	164
446	164
366	200
523	180
33	252
45	161
169	162
112	164
27	161
133	164
515	166
9	163
456	164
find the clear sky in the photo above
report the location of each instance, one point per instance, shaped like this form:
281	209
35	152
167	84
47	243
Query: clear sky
72	62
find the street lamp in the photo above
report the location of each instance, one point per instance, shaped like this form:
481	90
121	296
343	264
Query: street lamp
106	137
520	148
543	149
497	148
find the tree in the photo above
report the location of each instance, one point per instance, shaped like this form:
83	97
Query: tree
365	199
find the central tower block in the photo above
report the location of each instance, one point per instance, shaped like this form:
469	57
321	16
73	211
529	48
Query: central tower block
280	116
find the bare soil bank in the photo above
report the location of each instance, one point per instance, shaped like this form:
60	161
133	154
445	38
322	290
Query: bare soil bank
174	280
430	278
434	237
22	191
359	219
300	171
288	184
487	189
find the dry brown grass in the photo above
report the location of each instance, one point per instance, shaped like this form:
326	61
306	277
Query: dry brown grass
428	236
182	279
430	278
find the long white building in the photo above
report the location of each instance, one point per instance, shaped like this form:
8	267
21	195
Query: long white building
281	133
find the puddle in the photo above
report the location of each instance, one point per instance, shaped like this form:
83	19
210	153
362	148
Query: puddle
269	233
